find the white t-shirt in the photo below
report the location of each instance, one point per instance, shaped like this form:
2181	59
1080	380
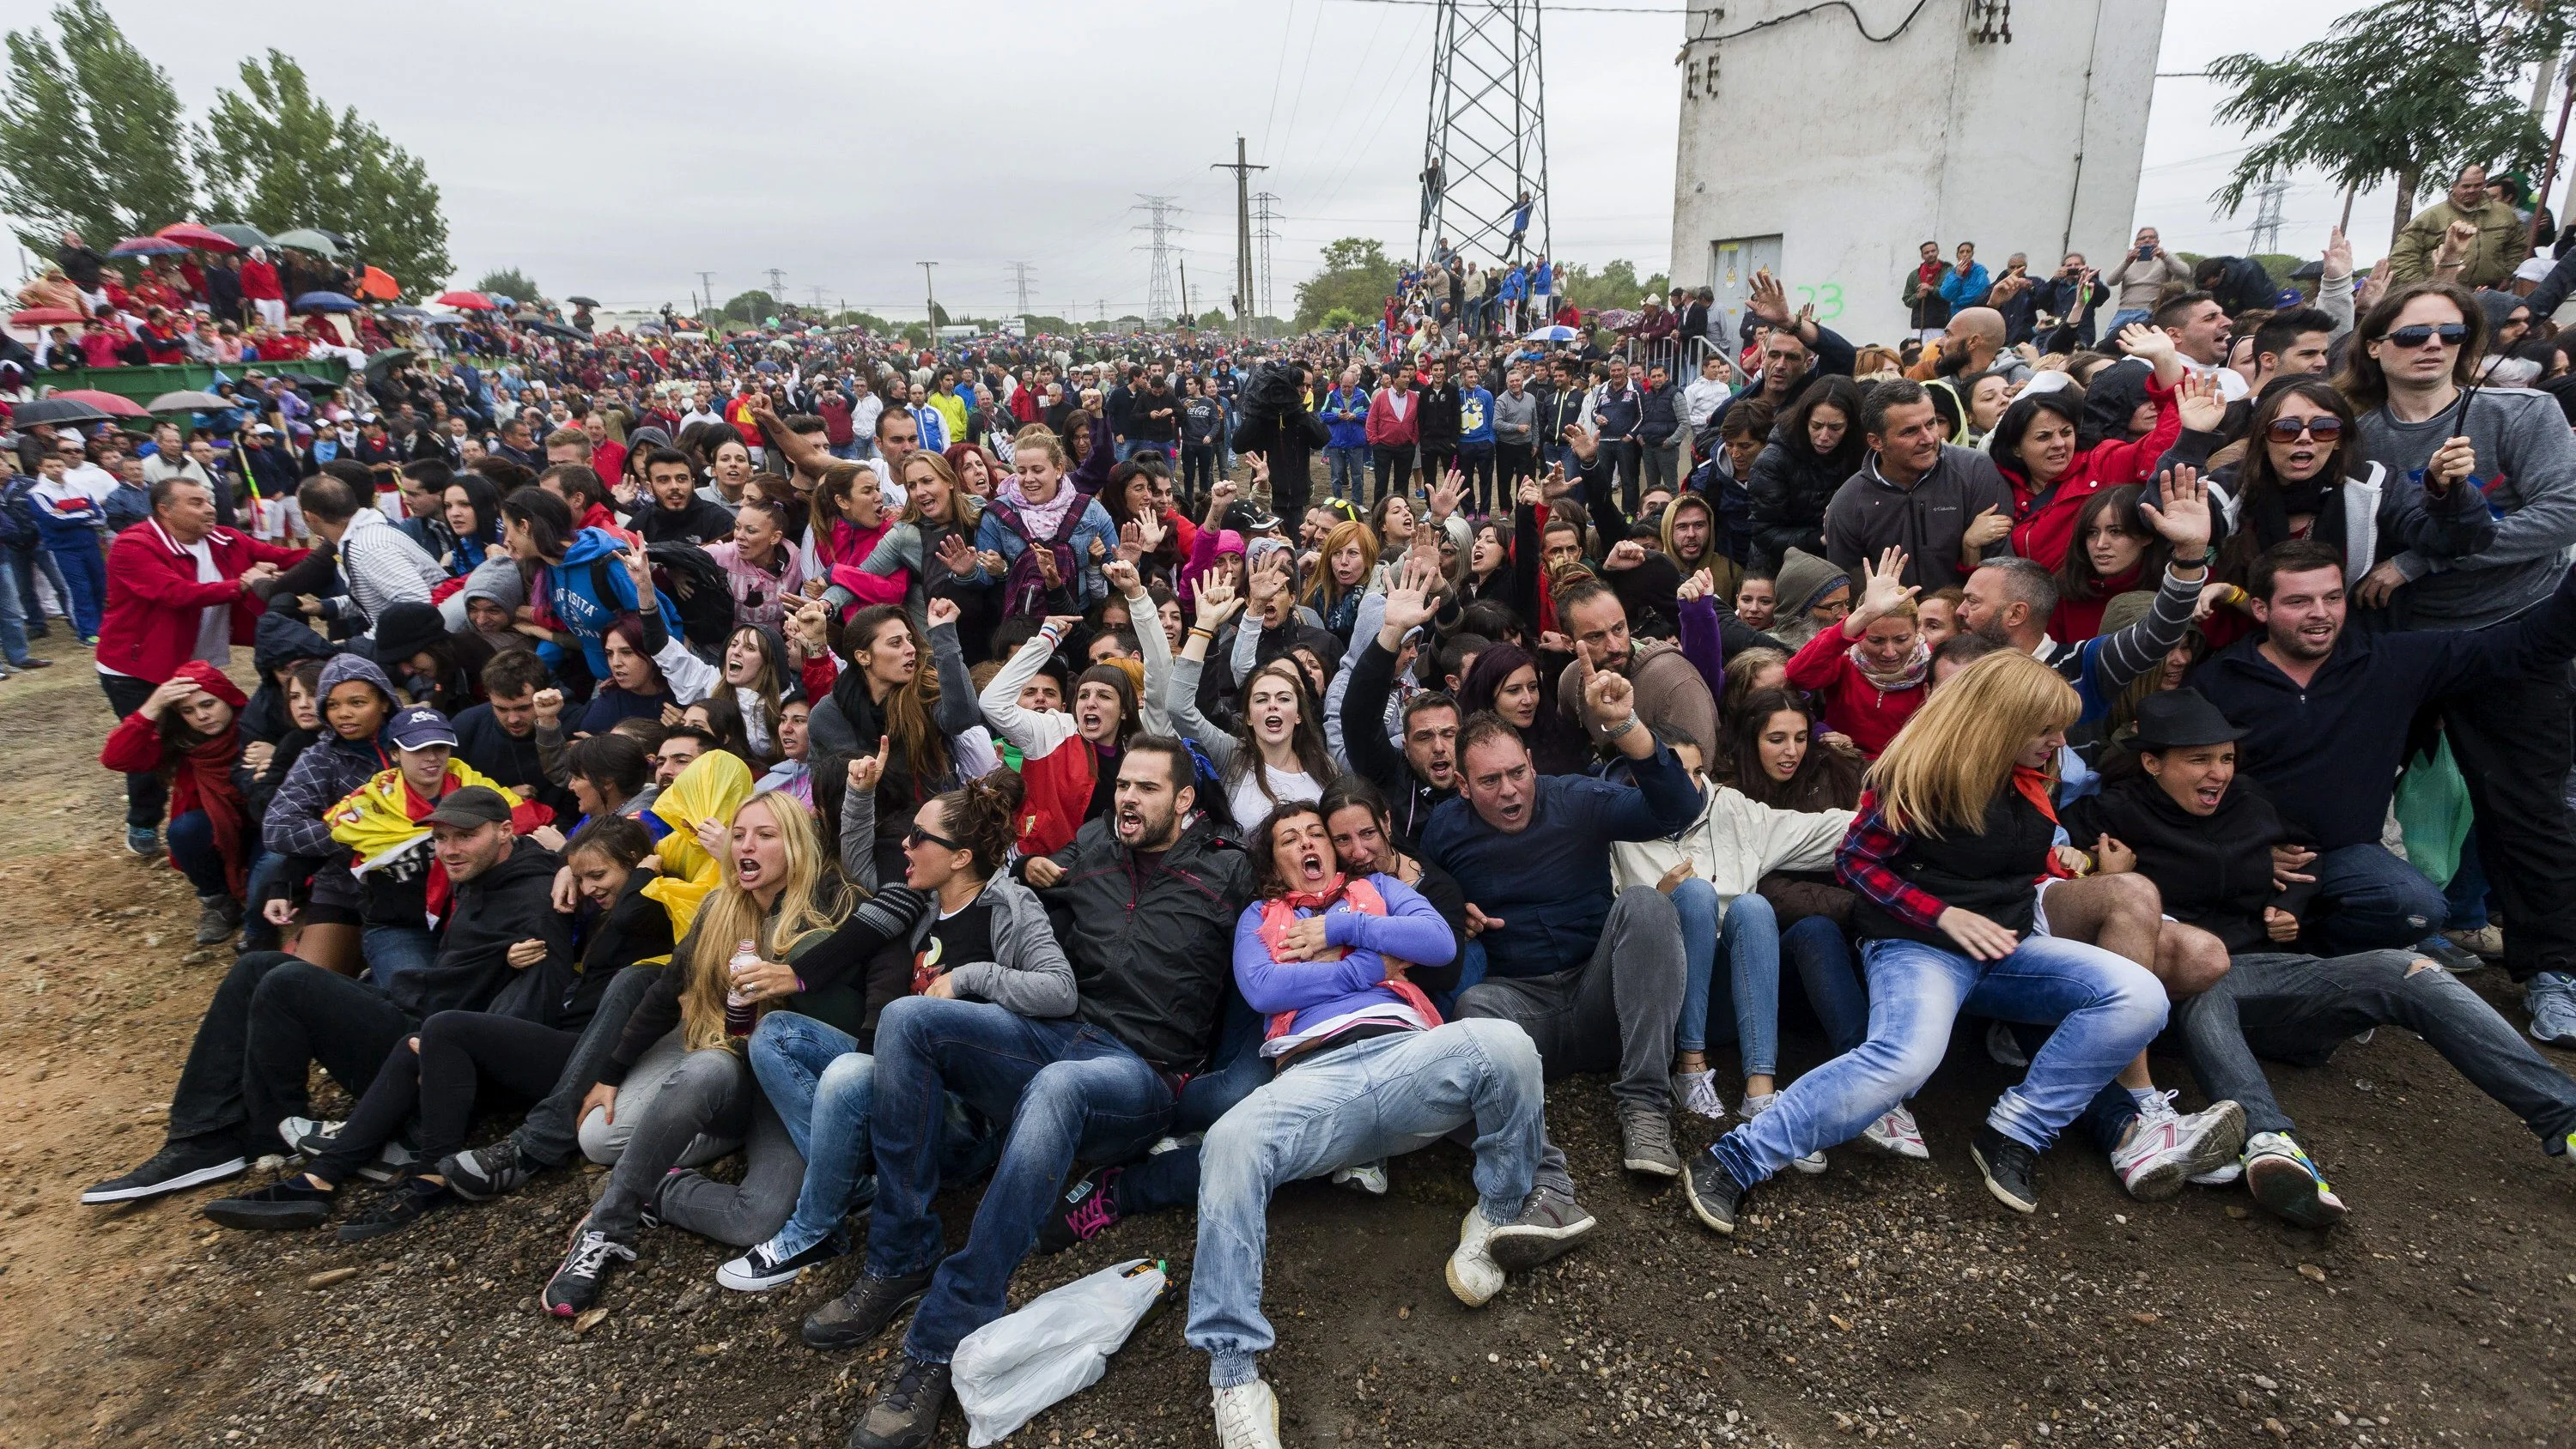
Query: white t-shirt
1249	805
2231	383
215	621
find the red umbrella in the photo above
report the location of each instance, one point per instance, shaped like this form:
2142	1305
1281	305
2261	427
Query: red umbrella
106	402
45	317
469	301
146	246
204	239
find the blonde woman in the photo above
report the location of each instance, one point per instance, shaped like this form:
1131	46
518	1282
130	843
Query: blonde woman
1950	851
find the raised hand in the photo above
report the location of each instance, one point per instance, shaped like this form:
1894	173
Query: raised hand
639	570
1767	299
1608	698
1130	546
941	613
957	555
1444	497
2457	239
2338	261
2183	518
1527	495
2198	400
549	703
1585	443
1408	605
1627	553
1881	590
867	770
1121	574
2152	343
1698	586
1216	603
1150	531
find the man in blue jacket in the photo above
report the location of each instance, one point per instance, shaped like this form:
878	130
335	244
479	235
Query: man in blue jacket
1595	980
1346	410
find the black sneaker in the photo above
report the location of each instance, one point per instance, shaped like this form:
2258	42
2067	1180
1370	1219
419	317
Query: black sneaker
864	1311
577	1279
907	1415
762	1268
396	1209
1088	1208
177	1167
289	1202
2009	1167
1715	1196
1549	1227
488	1172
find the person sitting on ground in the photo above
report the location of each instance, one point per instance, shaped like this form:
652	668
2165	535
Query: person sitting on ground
1954	828
1147	898
244	1087
1421	774
2191	824
2039	445
1594	975
1873	670
676	512
1670	696
1277	752
357	701
186	731
1365	1069
1069	759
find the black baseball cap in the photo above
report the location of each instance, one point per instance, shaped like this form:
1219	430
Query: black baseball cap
470	808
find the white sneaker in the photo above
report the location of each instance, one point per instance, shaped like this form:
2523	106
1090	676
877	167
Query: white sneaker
2004	1047
1813	1162
1368	1177
1697	1092
1897	1133
1247	1417
1473	1274
2162	1150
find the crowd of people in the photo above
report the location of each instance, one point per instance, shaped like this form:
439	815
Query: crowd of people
1118	776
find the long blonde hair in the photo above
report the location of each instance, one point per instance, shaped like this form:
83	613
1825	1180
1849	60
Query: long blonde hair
814	899
1946	766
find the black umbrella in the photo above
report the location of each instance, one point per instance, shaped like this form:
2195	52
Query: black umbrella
583	301
557	329
56	410
387	360
306	379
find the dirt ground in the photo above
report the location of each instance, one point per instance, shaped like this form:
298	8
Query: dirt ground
1882	1302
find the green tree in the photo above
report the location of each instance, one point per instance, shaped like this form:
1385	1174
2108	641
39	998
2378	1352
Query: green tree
2403	92
89	135
1215	321
276	156
509	282
1357	274
1615	286
750	306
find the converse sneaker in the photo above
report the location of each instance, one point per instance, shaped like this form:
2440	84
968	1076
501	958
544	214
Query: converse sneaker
2282	1178
1247	1417
2162	1148
177	1167
1646	1142
1895	1132
2008	1166
1696	1092
764	1267
1813	1162
578	1278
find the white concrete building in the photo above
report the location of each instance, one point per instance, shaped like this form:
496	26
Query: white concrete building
1809	147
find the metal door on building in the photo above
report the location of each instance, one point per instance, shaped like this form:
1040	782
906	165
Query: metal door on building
1731	265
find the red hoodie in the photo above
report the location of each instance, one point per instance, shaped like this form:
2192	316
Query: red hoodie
2046	524
1853	706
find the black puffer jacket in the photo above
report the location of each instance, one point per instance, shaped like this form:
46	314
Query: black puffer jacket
1153	946
1791	484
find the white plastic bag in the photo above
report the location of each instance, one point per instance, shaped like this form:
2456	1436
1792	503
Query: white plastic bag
1008	1371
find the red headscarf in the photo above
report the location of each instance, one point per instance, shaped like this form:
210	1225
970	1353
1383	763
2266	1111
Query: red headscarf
208	767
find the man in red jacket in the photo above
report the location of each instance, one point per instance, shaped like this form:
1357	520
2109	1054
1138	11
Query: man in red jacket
178	588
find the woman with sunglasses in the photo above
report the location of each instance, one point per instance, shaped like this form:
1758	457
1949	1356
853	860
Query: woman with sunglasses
2303	476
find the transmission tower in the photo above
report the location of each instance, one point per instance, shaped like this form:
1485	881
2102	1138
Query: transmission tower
1021	272
1158	279
2266	236
777	282
819	291
1262	216
1485	147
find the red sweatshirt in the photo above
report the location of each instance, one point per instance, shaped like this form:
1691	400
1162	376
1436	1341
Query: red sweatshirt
2046	525
1853	706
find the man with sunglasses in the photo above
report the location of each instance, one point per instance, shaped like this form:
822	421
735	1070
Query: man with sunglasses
2410	382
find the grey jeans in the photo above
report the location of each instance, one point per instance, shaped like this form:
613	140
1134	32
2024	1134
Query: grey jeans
1614	1013
2298	1009
709	1094
551	1133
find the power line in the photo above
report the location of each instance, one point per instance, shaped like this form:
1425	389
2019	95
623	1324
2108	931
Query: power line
777	281
2266	234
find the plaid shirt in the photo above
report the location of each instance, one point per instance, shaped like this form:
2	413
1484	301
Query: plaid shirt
1862	862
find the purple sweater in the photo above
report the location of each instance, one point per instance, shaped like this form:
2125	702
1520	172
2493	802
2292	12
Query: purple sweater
1411	930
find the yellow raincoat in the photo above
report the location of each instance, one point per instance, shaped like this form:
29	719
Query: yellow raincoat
380	822
712	787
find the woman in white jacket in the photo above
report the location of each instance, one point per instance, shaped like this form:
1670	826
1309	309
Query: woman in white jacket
1710	870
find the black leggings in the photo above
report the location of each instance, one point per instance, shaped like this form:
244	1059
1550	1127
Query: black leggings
459	1052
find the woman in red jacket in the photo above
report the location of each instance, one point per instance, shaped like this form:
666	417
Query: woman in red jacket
1873	671
2056	451
185	732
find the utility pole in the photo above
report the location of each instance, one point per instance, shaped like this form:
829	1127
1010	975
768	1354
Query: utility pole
707	283
1485	147
1020	274
818	289
1188	317
1242	170
930	294
1265	235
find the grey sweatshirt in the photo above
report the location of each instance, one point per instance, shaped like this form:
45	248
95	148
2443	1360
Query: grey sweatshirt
2527	469
1033	978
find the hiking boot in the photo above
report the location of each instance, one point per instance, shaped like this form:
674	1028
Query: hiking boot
1550	1226
907	1415
1715	1196
764	1267
2008	1165
2162	1149
218	917
2551	1000
2282	1178
1646	1142
488	1172
1247	1417
142	842
1696	1093
1088	1208
1896	1132
177	1167
289	1202
864	1310
1810	1164
396	1209
578	1278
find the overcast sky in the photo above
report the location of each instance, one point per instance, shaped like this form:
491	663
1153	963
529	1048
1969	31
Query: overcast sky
617	149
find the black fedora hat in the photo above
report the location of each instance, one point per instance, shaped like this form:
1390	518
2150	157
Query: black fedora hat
2178	719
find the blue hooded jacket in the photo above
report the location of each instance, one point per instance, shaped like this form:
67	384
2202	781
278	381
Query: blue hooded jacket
573	591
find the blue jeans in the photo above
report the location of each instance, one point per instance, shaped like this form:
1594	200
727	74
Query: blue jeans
820	1082
392	951
192	849
2123	318
1359	1103
1170	1178
1068	1090
1349	471
1753	943
30	560
84	575
2373	900
13	611
2107	1010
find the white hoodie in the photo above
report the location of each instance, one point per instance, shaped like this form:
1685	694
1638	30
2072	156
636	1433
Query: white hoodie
1735	842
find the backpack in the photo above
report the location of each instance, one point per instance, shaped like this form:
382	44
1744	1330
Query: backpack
1024	589
18	514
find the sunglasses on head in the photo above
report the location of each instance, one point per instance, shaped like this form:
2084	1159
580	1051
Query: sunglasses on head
2325	428
913	838
2451	333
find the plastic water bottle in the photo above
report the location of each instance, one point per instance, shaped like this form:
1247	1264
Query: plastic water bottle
746	955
